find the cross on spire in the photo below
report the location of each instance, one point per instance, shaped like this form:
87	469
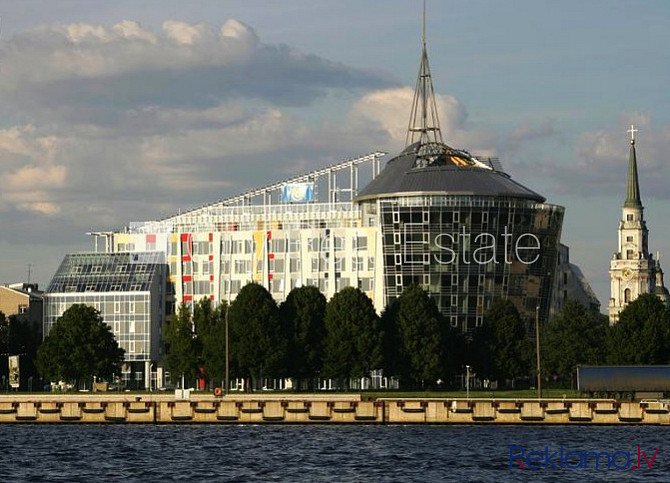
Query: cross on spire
632	132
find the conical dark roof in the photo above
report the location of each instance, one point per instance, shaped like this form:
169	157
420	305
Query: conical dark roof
449	172
633	185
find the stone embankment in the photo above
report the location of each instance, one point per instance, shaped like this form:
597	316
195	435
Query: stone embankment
322	409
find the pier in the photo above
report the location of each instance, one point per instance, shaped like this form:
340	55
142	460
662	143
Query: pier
322	409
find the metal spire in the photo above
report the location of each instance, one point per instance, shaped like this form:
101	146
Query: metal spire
423	119
633	186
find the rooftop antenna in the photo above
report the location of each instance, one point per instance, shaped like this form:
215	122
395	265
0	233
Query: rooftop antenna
423	119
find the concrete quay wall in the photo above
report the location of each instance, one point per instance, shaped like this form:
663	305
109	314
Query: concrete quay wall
320	409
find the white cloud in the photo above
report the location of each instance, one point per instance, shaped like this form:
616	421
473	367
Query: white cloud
389	110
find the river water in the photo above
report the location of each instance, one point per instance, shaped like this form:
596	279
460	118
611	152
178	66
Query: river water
314	453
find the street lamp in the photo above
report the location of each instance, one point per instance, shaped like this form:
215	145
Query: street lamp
467	382
227	351
537	351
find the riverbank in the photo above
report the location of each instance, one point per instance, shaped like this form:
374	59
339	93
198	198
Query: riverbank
321	409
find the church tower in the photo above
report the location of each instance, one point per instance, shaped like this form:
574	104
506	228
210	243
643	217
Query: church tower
632	269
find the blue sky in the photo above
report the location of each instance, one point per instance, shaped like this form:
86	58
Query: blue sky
121	111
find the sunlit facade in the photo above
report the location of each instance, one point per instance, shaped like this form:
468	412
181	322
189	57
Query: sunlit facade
129	291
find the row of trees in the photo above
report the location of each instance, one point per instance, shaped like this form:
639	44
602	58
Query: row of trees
575	337
307	337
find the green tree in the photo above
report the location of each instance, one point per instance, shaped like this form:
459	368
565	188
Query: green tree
353	344
79	346
181	351
420	341
642	334
576	336
503	349
210	326
258	345
302	315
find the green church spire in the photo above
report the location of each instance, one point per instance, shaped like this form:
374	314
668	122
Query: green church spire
633	186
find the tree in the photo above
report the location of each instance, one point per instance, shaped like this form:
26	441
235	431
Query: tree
302	315
576	336
258	345
210	326
642	335
503	349
79	346
419	337
181	355
353	344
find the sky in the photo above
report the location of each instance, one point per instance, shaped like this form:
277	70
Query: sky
112	112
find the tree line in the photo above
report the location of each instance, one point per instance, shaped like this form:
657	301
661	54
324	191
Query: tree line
307	337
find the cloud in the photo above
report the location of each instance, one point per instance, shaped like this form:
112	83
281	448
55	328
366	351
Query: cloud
527	132
66	69
600	162
389	109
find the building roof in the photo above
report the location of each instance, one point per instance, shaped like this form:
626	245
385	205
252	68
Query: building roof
442	170
633	186
106	272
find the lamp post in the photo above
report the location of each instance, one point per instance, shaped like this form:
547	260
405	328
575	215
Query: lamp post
227	351
467	382
537	351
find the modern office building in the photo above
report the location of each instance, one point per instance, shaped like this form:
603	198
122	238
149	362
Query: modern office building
130	292
436	216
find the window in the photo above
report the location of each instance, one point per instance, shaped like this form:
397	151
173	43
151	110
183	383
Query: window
626	295
23	309
629	239
131	307
629	254
629	217
96	269
117	307
122	268
361	243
